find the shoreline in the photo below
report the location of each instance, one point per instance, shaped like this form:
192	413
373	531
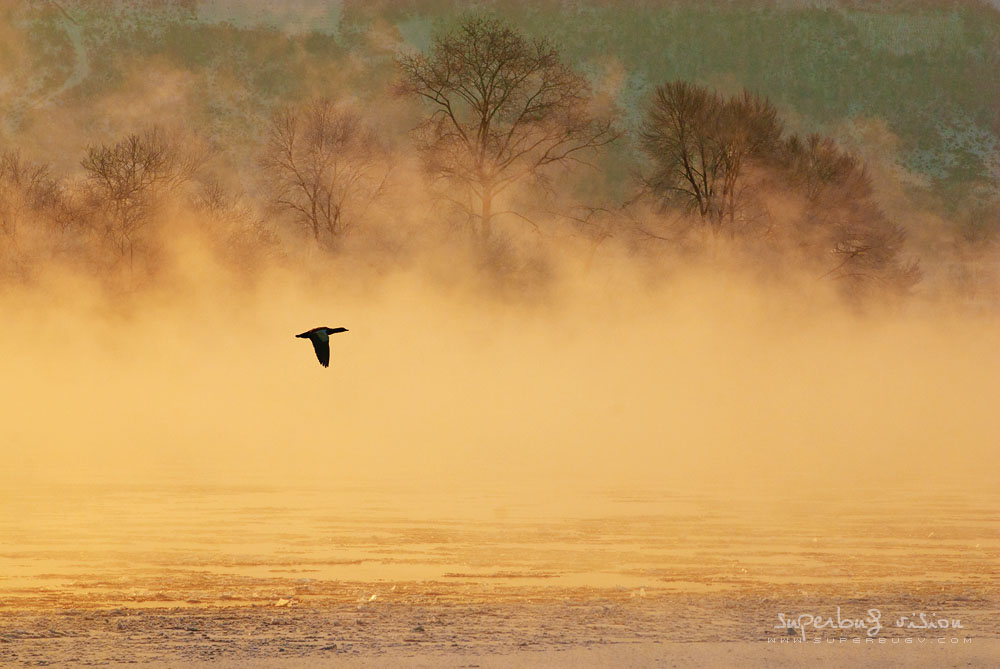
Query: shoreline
645	654
668	630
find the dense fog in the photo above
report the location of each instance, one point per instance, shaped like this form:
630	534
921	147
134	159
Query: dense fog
692	281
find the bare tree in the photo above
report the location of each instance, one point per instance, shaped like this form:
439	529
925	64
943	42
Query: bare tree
815	165
864	247
128	177
700	145
718	156
23	186
324	165
503	109
38	215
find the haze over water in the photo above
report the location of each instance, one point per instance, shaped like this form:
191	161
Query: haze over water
83	546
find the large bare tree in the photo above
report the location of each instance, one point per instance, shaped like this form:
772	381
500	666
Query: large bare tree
503	109
128	177
324	166
700	145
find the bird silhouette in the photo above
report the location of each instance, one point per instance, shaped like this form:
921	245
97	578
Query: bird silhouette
320	338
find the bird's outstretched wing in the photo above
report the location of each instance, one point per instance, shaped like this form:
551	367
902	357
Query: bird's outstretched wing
322	351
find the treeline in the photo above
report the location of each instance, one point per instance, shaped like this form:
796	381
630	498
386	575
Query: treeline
728	160
116	220
510	144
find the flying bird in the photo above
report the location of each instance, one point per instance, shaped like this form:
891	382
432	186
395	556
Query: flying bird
320	338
